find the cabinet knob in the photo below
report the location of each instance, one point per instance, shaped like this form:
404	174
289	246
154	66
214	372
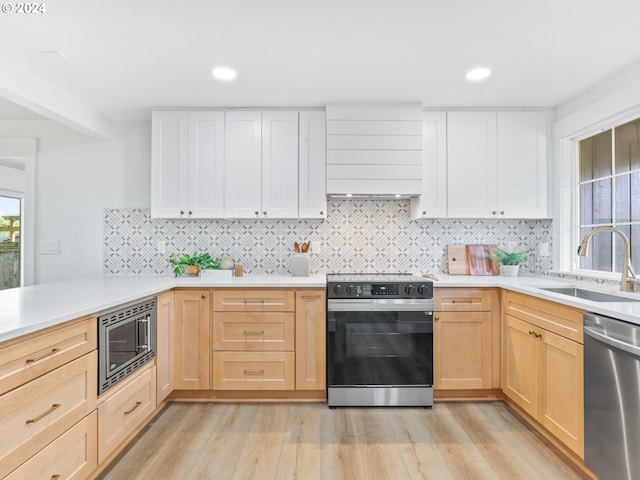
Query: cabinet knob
321	212
437	318
494	212
181	212
204	296
424	212
264	213
190	212
502	212
257	213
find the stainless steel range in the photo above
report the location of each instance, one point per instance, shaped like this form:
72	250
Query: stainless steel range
379	340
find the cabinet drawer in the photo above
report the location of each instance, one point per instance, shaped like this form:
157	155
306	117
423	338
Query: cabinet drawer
253	370
464	299
256	300
26	358
555	317
253	331
72	456
123	411
37	413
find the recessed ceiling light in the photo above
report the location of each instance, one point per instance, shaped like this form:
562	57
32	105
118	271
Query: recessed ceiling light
225	74
478	74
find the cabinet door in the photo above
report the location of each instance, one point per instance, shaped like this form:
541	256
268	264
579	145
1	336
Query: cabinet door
520	364
462	350
312	166
242	165
310	340
280	164
169	156
433	201
165	347
522	164
561	397
191	337
205	165
472	164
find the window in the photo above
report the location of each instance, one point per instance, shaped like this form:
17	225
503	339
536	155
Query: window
9	242
609	194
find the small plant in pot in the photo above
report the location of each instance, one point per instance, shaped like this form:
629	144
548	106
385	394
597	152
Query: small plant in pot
192	264
509	261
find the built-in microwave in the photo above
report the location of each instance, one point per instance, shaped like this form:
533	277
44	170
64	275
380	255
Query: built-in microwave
126	341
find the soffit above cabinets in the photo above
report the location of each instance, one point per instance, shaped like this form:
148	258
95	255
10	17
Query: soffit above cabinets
374	149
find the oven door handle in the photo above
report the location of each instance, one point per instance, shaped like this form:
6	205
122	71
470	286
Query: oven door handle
146	333
380	306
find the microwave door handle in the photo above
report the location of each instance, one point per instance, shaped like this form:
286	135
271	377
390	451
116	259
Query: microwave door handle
143	331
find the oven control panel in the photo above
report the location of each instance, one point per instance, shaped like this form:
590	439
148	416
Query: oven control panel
379	290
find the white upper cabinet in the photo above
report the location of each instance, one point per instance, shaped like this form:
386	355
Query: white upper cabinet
522	164
374	149
186	164
261	165
433	201
497	164
472	164
312	188
243	165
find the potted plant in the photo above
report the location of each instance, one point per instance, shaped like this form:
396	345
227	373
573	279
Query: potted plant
509	261
192	264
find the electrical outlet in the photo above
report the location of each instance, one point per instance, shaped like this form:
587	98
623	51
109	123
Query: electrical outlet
162	247
543	249
511	246
316	247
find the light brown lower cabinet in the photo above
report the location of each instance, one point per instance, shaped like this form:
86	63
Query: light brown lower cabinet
38	412
311	344
165	346
191	340
123	409
466	339
253	370
72	456
463	352
543	372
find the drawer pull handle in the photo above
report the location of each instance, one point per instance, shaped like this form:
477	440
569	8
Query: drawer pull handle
254	372
461	301
43	356
55	406
55	477
133	408
254	332
254	302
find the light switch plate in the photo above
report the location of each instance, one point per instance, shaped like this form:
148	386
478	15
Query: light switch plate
543	249
316	247
162	246
50	247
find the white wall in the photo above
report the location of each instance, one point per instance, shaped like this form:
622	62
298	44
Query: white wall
77	177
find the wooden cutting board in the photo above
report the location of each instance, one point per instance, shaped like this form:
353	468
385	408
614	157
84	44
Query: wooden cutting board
471	260
457	260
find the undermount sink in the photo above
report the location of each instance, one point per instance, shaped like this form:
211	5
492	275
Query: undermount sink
589	295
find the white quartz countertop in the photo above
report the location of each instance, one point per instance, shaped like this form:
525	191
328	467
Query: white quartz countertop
29	309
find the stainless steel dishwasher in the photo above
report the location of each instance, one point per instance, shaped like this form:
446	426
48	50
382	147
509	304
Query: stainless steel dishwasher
612	397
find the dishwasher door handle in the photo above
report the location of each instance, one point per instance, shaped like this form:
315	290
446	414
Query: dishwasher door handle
612	342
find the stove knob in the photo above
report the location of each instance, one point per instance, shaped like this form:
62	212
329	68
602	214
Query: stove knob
410	289
422	289
338	289
351	290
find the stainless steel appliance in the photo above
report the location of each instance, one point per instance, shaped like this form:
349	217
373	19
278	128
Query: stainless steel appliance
379	340
126	341
611	397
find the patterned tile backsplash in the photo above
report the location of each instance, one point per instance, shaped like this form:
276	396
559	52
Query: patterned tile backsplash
360	236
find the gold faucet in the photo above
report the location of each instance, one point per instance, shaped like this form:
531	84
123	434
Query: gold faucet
628	277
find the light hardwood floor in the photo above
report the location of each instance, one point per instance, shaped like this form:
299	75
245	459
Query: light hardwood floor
310	441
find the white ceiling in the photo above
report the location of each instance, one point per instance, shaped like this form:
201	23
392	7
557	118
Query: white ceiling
125	57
